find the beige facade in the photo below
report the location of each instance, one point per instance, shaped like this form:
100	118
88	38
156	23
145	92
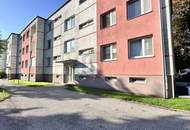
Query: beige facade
3	58
68	66
13	60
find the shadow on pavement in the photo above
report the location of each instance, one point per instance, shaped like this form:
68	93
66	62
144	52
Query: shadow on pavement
78	121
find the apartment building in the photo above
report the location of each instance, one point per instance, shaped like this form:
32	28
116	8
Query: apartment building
134	46
32	46
71	42
123	45
3	58
12	56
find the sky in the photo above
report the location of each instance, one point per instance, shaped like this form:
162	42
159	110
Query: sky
15	15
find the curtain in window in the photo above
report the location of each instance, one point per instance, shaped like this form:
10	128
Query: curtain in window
146	6
114	51
113	18
148	46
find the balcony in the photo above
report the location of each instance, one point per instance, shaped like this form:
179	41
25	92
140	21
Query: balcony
70	56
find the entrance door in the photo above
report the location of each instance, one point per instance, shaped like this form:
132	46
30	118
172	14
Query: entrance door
68	74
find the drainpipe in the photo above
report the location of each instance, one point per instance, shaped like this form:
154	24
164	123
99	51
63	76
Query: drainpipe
167	46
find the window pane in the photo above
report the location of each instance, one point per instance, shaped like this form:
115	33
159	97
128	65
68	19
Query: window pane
114	51
70	23
69	46
108	19
106	53
134	9
148	46
136	48
113	18
72	45
146	6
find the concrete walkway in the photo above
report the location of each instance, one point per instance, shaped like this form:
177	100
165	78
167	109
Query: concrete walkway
60	109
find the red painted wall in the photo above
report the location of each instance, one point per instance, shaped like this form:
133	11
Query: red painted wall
128	29
25	56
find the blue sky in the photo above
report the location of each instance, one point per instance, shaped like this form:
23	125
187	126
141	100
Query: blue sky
16	14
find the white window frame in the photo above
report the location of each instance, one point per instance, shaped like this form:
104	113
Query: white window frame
66	44
142	9
72	22
112	14
143	48
111	52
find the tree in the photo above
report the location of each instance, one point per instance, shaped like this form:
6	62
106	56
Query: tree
2	45
181	33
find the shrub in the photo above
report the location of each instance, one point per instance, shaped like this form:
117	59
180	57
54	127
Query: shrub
2	75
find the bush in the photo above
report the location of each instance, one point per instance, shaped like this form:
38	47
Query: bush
2	75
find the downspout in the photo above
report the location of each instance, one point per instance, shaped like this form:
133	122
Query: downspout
166	33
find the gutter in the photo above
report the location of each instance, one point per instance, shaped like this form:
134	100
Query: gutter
168	59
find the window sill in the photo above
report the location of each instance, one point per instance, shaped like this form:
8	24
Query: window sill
66	53
129	19
141	57
109	60
107	27
69	29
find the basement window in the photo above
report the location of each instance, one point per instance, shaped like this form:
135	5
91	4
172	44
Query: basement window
137	80
81	1
86	24
110	78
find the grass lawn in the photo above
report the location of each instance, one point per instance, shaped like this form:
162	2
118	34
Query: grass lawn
177	103
4	94
31	84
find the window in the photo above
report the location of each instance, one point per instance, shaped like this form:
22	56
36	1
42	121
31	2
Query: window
138	7
48	61
23	51
49	27
56	57
69	46
137	80
23	38
81	1
49	44
86	24
57	37
70	23
108	19
141	47
110	78
26	63
27	49
109	52
59	17
22	64
27	34
86	51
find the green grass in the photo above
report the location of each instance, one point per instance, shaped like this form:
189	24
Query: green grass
177	103
4	94
31	84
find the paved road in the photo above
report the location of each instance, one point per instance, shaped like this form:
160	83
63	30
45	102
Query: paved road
60	109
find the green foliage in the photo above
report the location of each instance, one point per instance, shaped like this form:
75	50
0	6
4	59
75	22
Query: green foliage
181	33
31	84
3	44
2	75
177	103
4	94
